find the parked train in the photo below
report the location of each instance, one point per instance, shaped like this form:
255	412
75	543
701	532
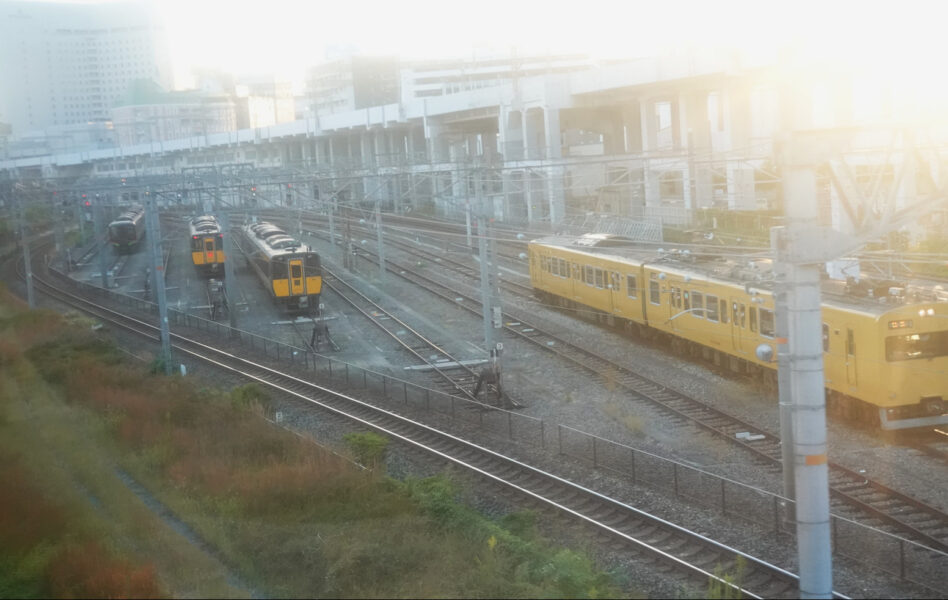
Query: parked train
127	231
885	346
207	245
290	272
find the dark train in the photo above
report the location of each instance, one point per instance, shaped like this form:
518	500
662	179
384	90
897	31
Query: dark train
290	271
207	245
127	231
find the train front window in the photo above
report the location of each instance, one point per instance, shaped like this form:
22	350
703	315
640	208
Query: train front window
916	346
209	245
297	270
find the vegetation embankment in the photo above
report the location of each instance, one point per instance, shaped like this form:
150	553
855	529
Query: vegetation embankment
272	514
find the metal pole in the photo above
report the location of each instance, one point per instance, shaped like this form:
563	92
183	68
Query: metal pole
378	225
155	257
230	255
485	274
100	242
332	228
782	326
25	240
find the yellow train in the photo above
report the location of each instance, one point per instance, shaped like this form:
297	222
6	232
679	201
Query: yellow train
207	245
885	347
290	272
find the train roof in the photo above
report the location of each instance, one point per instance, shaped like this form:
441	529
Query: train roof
273	241
204	224
131	215
873	296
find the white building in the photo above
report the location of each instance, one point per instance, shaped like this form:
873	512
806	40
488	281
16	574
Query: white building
67	64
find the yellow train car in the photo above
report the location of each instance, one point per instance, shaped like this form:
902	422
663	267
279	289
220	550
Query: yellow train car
207	245
885	358
290	271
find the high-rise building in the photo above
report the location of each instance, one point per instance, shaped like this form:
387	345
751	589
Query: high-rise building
68	64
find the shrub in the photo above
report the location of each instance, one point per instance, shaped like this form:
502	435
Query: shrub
250	397
368	448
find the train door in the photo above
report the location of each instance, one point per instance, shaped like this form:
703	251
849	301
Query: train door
615	287
296	277
738	322
209	250
851	373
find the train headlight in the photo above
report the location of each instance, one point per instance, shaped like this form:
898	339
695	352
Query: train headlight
765	353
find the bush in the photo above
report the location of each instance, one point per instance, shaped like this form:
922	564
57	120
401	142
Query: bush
368	448
250	397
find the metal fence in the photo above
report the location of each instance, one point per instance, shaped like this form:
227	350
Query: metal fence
886	552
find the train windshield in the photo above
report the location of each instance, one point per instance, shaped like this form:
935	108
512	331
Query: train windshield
916	345
312	264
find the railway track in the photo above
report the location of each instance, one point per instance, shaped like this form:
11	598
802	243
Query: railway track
695	556
853	496
454	377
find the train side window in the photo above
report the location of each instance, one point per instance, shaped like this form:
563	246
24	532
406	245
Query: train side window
723	310
588	275
712	308
687	304
850	343
753	318
766	323
613	280
742	313
826	337
630	286
562	270
600	279
577	271
697	301
654	295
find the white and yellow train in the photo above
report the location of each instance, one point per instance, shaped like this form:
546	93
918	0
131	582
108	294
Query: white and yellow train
885	349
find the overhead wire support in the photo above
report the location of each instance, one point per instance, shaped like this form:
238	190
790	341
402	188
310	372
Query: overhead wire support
156	257
25	236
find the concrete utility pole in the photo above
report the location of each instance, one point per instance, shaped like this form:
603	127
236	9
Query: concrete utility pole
24	230
155	257
801	252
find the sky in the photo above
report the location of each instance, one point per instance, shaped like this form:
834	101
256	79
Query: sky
285	36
